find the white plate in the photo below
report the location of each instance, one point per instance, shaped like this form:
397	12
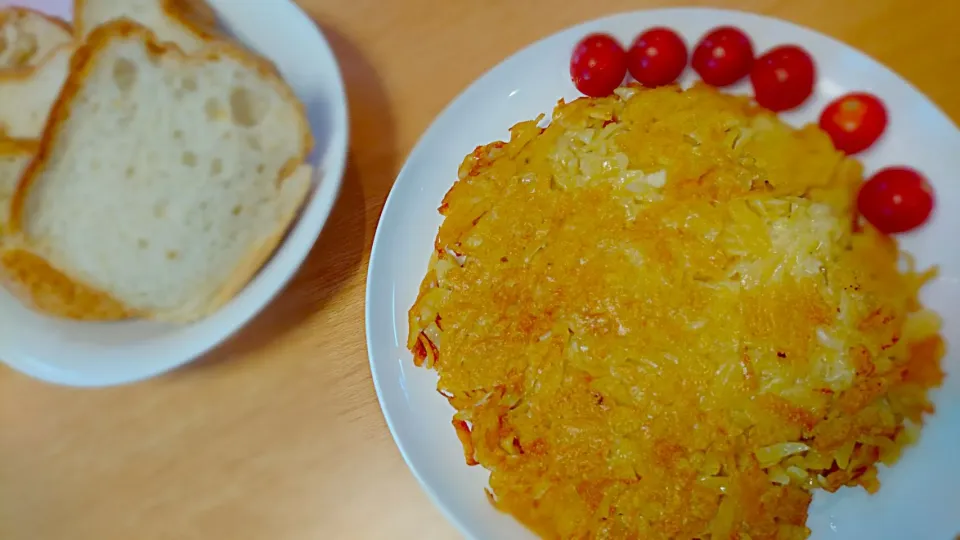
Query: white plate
99	354
919	497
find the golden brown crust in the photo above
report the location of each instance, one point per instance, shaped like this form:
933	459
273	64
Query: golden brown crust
25	71
78	26
39	285
195	16
12	148
18	146
6	12
22	73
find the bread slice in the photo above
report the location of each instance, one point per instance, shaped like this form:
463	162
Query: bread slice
190	24
14	157
28	276
43	288
26	95
163	180
28	36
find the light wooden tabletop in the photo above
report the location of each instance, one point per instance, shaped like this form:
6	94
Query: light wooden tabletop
278	435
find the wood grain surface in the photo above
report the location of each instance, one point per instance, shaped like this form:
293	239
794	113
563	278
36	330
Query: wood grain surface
278	434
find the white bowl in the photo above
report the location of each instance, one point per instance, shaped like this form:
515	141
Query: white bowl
920	494
99	354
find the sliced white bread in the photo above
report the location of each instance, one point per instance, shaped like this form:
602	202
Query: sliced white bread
28	36
164	181
14	157
190	24
26	95
28	276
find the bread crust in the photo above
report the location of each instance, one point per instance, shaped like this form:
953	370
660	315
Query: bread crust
22	75
25	71
40	286
14	148
62	296
195	16
18	146
6	12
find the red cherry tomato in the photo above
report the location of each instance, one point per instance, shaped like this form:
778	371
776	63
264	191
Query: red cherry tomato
598	65
657	57
895	200
723	56
783	78
854	121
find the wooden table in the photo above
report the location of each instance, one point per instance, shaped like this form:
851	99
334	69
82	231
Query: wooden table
278	434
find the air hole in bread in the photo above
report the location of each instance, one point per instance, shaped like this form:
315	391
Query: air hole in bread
160	210
254	143
216	166
189	84
128	174
214	110
143	243
246	109
177	134
172	254
238	209
124	74
189	159
260	168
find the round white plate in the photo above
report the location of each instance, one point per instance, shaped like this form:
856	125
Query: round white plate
919	497
100	354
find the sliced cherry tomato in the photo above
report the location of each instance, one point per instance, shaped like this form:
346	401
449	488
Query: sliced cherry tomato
598	65
854	121
657	57
723	56
783	78
896	200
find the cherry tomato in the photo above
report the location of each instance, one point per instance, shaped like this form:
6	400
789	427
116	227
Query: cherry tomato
895	200
598	65
723	56
657	57
783	78
854	121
